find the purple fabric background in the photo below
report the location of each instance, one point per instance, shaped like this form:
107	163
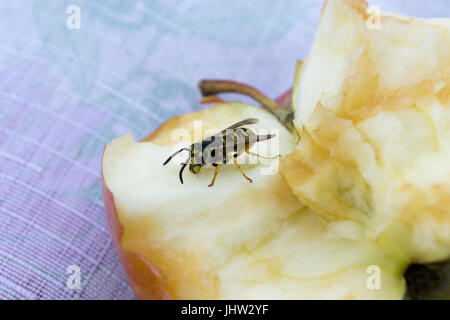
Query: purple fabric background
133	64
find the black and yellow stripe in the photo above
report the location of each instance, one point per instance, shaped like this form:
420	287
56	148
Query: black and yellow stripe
215	150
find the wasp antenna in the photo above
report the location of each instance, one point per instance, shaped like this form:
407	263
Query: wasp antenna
181	172
173	155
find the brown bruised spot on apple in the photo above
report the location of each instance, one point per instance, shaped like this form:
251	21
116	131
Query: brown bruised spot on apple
236	240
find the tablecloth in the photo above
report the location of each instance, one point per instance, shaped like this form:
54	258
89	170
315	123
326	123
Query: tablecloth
76	74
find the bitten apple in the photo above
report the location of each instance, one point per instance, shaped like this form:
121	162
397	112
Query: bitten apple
236	240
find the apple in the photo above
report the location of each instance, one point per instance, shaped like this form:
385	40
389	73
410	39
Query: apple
373	108
236	240
361	197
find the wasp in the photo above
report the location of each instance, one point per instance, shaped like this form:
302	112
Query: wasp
218	149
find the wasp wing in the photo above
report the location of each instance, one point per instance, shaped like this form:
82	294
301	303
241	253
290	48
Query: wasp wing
211	139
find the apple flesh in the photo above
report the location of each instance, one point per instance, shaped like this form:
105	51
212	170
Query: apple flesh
365	190
236	240
146	280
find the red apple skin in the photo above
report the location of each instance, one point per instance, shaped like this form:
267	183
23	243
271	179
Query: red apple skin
146	280
285	100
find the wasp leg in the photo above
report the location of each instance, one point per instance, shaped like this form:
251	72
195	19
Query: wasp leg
259	156
217	165
240	169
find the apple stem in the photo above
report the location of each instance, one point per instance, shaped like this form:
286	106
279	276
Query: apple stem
214	87
211	99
